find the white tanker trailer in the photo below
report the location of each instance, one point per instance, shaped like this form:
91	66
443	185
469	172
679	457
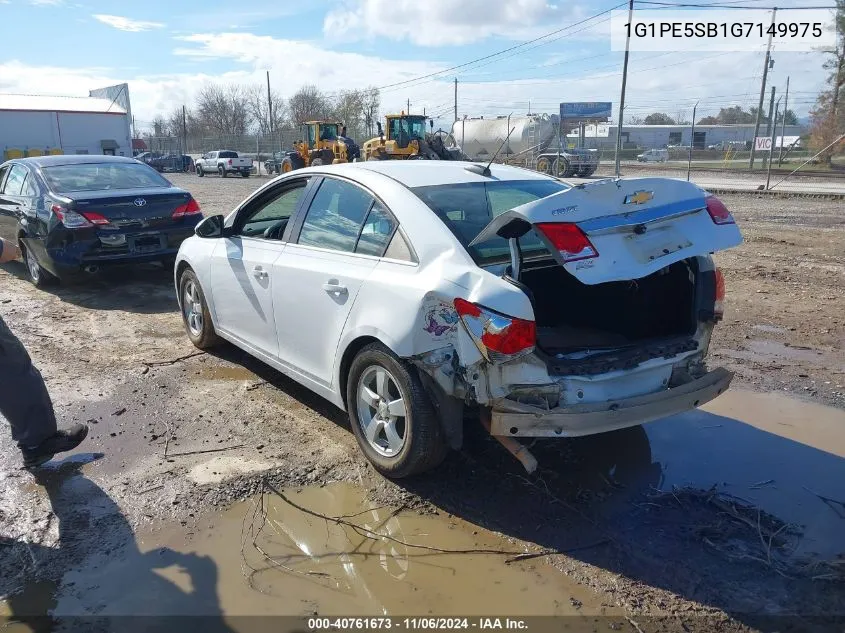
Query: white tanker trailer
533	137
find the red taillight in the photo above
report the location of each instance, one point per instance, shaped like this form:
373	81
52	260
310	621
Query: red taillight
718	211
95	218
230	161
719	304
569	240
191	208
499	338
70	219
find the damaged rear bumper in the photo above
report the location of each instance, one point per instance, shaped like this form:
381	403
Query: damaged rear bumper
509	418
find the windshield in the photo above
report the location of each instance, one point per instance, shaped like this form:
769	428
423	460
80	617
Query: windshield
413	128
328	132
102	176
467	208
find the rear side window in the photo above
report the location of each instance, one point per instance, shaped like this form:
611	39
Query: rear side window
14	183
376	233
336	216
466	208
227	155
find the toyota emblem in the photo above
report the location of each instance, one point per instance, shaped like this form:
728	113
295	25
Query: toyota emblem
139	202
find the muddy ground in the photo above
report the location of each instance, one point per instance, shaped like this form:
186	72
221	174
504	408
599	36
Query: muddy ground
719	518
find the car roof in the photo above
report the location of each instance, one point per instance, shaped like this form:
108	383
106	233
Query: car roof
422	173
72	159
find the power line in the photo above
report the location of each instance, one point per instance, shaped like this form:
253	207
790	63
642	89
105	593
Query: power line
501	52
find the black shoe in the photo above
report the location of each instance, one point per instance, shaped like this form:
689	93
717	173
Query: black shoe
64	440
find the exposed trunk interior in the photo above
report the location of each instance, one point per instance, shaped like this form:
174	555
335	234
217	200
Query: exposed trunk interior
573	317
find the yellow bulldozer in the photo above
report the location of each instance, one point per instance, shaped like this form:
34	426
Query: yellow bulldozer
405	137
322	143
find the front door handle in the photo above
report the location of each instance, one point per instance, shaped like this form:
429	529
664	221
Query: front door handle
335	287
260	273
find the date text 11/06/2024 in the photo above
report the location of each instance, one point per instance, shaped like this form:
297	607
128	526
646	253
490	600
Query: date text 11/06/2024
418	623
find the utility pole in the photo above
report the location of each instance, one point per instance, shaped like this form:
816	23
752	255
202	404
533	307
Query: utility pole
185	128
691	140
769	126
766	64
134	129
456	98
624	81
269	106
783	123
772	153
408	111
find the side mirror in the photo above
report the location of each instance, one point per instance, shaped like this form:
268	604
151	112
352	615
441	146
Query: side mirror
431	124
210	227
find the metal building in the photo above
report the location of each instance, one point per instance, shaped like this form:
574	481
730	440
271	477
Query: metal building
659	136
33	125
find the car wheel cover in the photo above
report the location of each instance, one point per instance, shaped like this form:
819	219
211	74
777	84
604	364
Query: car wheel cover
32	265
192	308
381	411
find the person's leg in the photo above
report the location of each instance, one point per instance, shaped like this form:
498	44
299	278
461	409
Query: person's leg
25	403
24	400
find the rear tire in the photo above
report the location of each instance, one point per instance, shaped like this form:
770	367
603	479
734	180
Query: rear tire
195	315
245	174
391	415
38	276
222	171
544	165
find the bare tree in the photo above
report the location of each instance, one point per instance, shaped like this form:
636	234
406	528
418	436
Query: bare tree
308	104
349	110
159	125
370	105
224	109
259	110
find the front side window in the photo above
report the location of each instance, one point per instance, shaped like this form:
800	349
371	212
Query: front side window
268	218
466	208
336	216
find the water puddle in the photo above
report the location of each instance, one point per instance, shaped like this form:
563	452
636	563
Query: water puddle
780	454
266	556
218	372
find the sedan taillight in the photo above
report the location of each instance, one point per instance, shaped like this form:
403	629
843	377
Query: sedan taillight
718	211
190	208
568	240
70	219
499	338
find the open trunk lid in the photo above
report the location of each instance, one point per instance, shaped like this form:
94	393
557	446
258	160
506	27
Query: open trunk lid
634	226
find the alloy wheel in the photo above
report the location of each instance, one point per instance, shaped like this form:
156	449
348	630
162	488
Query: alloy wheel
192	308
381	411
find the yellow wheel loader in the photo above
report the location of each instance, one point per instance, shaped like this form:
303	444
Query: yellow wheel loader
322	143
404	137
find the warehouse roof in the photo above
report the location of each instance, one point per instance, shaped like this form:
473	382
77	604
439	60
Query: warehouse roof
42	103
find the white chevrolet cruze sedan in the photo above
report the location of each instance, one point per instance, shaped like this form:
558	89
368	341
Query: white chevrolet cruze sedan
405	291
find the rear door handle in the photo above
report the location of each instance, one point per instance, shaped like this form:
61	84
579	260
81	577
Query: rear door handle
260	273
335	287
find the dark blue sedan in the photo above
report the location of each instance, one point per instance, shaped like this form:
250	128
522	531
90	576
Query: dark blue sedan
73	215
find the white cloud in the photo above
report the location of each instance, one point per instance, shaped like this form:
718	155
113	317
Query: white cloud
446	22
45	3
125	24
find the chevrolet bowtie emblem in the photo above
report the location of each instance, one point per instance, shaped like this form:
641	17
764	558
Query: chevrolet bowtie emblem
639	197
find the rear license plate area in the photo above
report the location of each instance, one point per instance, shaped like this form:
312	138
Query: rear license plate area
146	243
657	243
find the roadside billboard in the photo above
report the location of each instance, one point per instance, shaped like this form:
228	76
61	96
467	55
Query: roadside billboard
592	111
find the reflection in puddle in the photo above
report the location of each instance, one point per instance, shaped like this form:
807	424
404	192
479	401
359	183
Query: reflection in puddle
775	452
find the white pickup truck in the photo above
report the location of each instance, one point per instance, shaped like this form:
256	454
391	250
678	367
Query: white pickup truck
223	162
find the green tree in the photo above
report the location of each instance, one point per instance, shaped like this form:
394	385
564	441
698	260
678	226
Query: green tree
659	118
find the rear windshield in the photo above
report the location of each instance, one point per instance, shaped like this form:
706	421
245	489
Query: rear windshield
227	155
467	208
102	176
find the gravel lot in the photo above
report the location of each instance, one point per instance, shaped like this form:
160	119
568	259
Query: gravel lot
114	354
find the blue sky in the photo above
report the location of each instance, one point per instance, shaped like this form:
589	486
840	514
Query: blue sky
167	50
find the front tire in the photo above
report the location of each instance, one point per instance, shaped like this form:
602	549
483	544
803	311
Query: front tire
286	166
195	314
391	416
200	171
245	174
